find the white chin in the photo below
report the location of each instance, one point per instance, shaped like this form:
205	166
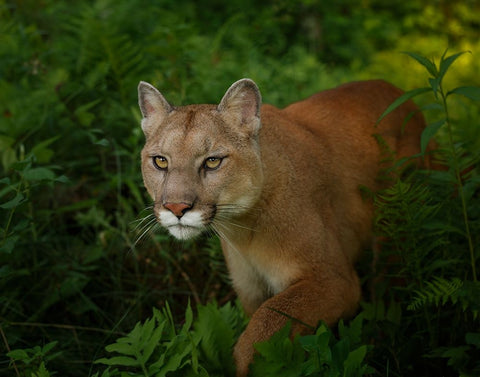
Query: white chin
182	232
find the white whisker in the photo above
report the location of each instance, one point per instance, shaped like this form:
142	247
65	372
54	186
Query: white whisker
148	230
142	221
223	237
144	226
225	220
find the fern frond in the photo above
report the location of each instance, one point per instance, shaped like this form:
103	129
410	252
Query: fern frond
103	50
438	292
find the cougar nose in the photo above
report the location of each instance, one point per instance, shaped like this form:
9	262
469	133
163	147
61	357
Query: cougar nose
178	209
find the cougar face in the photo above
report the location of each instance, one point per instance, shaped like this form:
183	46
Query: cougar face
201	164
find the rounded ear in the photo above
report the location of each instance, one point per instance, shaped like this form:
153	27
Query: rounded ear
152	103
241	104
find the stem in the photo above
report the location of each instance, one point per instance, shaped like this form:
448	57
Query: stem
62	326
7	346
460	184
9	222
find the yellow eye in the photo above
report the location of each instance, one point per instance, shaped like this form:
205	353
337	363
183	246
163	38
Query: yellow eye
160	162
212	163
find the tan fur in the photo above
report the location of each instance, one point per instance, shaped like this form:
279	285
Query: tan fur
285	200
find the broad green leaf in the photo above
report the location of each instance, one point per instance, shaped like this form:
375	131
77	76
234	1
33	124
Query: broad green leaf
62	179
119	361
402	99
355	359
84	115
9	187
39	174
340	352
48	347
42	151
120	347
188	318
429	132
133	336
153	341
146	331
353	331
19	355
427	63
17	200
472	92
215	336
175	357
102	142
445	63
432	106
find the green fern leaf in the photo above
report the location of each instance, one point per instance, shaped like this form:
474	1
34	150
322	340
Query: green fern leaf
438	291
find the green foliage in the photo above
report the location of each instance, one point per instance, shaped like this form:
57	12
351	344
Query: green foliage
431	222
32	361
78	270
320	354
201	347
437	292
456	159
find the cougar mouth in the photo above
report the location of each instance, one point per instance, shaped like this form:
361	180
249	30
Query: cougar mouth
188	226
184	232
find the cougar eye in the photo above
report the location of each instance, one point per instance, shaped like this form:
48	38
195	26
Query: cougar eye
212	163
160	162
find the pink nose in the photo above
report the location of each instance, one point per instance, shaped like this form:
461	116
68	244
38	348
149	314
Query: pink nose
178	209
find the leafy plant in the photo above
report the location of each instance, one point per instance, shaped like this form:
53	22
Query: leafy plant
32	361
430	225
200	347
203	347
457	162
320	354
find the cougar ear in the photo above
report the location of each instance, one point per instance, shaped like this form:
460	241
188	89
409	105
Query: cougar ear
241	105
152	104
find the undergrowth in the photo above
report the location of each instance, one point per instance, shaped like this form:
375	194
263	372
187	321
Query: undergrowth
74	276
203	347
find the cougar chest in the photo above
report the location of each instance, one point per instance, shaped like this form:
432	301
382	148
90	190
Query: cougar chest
258	271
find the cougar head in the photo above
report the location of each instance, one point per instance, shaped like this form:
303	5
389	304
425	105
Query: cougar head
201	164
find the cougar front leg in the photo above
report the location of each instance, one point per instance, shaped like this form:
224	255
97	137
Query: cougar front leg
309	301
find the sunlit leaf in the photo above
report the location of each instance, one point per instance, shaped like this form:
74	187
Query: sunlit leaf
445	63
402	99
427	63
472	92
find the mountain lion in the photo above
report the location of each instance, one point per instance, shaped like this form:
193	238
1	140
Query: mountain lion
281	188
